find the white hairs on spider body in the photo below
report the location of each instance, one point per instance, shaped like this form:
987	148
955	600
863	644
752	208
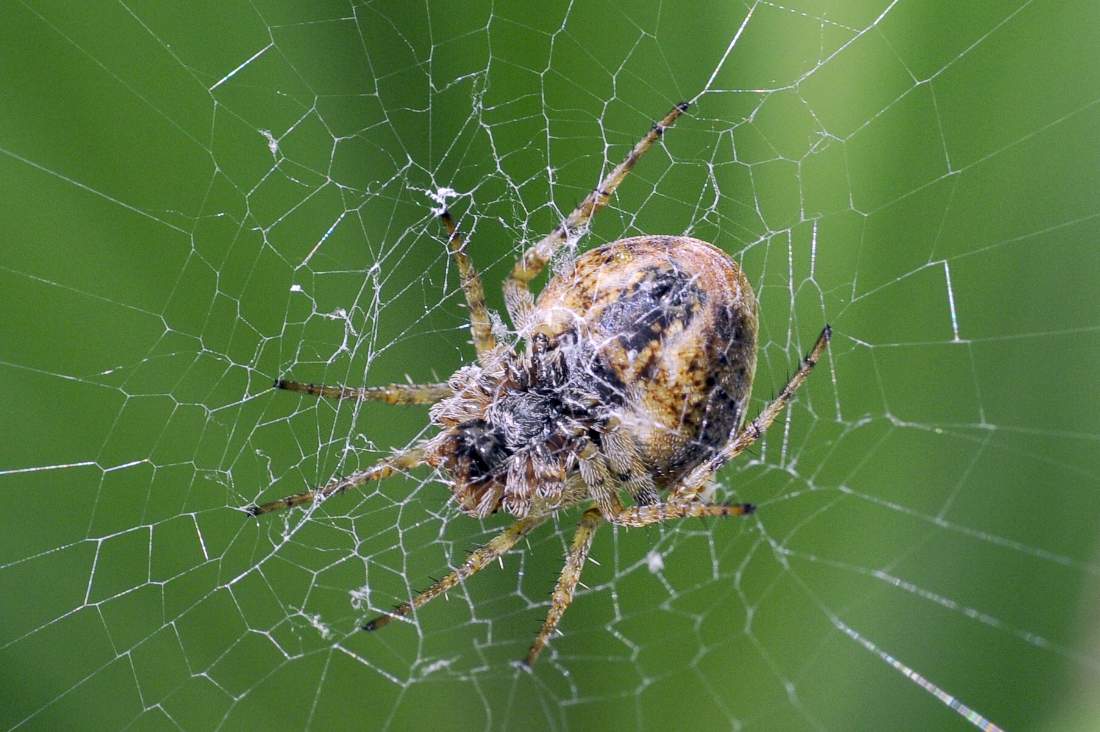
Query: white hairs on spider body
518	424
637	368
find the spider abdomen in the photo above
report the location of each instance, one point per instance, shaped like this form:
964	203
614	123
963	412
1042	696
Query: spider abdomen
673	322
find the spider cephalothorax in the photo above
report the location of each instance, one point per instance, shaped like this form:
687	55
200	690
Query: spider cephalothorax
633	377
514	426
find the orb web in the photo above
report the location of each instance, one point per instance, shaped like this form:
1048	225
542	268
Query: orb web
202	202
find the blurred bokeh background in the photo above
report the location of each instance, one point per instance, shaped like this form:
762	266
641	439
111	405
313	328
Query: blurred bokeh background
197	198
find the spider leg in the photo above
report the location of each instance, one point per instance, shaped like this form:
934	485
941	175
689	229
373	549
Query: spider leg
475	562
626	464
603	487
597	477
390	394
659	512
480	327
516	294
382	469
604	491
697	479
567	582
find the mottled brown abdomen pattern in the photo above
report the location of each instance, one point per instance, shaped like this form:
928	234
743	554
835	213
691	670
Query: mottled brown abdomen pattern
674	322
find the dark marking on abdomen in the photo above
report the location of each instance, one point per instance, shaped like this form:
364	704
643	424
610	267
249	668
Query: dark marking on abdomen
644	313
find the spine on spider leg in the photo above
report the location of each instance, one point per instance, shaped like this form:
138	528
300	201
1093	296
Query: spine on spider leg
670	118
562	596
772	410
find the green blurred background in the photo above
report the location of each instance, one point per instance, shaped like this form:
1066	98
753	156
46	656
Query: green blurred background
200	197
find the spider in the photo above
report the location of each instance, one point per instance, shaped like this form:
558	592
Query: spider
634	378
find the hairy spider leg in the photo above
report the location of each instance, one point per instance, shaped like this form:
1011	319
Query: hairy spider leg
480	327
656	513
603	489
475	562
695	481
390	393
517	296
626	464
567	582
590	521
383	469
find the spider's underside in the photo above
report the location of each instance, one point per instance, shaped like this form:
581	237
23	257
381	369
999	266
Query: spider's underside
635	376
